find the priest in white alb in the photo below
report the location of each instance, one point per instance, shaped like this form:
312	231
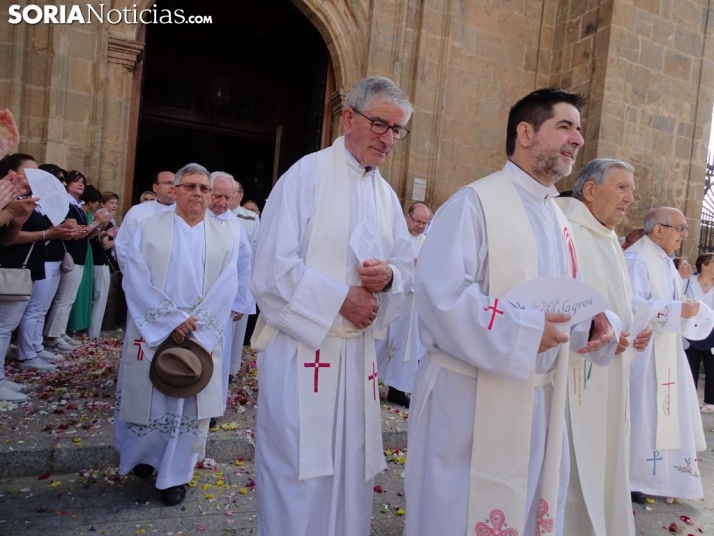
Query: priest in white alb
250	222
180	281
399	352
482	457
332	265
667	428
598	499
243	304
165	192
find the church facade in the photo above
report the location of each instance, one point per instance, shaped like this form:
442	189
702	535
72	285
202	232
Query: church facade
646	67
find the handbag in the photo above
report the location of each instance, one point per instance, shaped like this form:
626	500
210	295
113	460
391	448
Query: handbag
16	283
67	264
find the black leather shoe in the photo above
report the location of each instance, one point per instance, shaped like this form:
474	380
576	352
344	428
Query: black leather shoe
143	471
173	495
398	397
638	497
212	423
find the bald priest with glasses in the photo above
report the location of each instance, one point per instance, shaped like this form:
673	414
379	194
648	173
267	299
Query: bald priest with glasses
180	279
332	266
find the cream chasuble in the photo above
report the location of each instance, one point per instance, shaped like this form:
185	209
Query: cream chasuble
327	252
131	222
157	250
499	470
598	396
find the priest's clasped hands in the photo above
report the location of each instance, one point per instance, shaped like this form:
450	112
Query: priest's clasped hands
183	329
360	306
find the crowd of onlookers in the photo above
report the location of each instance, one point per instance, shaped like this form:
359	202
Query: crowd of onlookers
699	285
70	266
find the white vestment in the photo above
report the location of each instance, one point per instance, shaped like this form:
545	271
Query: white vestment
453	305
243	302
656	469
302	304
251	223
598	500
166	282
399	353
130	224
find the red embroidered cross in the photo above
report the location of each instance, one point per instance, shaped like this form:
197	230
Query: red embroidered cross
545	523
497	521
661	314
571	253
316	365
494	311
668	385
373	378
140	351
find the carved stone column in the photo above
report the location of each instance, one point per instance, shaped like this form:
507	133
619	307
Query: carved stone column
117	134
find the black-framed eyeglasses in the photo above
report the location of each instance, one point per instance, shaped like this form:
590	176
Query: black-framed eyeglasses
679	228
380	126
166	183
418	222
191	187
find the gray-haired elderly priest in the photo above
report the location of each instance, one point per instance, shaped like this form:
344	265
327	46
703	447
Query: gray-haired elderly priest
332	264
180	280
598	497
667	427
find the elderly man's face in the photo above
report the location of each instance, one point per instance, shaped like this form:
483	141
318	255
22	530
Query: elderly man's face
609	201
669	236
418	220
221	195
369	148
193	195
146	197
164	188
236	198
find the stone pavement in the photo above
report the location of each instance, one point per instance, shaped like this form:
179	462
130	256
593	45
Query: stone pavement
222	501
60	479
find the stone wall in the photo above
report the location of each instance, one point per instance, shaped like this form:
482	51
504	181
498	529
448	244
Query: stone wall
70	87
646	67
657	105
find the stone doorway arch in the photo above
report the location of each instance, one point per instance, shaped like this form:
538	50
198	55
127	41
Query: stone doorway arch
343	26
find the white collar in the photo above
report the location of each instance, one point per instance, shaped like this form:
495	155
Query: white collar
226	216
356	167
524	181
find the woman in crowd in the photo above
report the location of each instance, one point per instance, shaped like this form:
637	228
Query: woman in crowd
18	250
104	263
80	317
685	271
701	288
56	326
29	332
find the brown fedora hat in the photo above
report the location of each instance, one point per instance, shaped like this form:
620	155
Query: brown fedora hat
180	370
